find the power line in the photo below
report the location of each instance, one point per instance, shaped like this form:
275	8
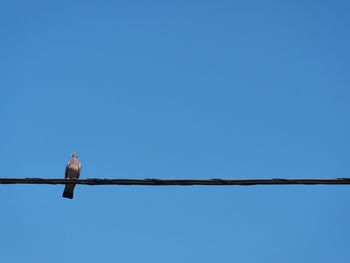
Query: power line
178	182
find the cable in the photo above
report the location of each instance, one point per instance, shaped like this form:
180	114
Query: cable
179	182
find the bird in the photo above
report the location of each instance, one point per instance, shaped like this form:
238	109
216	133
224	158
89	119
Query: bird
73	169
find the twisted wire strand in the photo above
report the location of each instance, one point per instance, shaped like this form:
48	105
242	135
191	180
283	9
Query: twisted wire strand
178	182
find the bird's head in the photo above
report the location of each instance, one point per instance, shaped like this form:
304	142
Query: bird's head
74	155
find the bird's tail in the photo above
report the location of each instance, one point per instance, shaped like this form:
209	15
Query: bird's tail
68	191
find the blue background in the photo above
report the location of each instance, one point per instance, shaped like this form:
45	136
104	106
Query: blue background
175	89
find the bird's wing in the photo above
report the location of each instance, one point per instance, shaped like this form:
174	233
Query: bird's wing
79	170
66	173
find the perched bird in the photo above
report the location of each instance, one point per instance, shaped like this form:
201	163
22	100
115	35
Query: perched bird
73	169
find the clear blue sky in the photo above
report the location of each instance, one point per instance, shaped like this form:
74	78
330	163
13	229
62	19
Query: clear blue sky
175	89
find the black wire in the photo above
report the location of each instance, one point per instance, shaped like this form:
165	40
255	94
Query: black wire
179	182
